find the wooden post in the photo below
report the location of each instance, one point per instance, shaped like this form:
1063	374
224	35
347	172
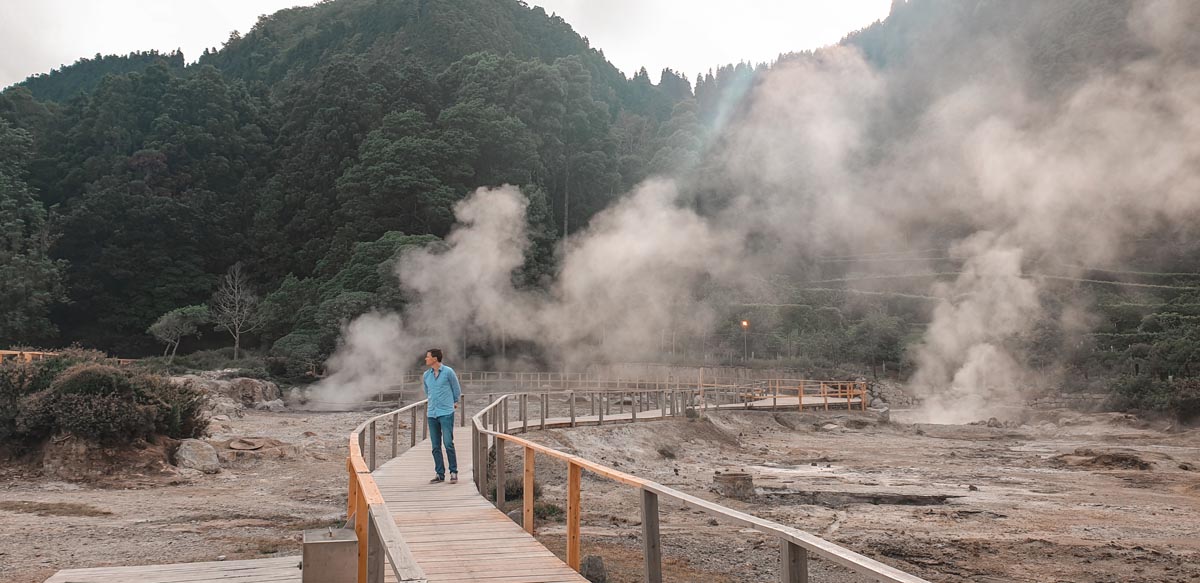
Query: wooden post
362	523
395	432
527	521
375	554
424	421
545	401
573	483
500	474
372	460
651	546
481	460
603	402
825	395
571	397
352	490
633	408
504	416
793	563
413	427
524	412
462	410
475	455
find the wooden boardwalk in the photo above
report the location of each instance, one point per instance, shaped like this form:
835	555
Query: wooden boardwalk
455	534
281	570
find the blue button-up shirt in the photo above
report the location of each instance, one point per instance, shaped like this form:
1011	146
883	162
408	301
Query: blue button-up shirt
442	391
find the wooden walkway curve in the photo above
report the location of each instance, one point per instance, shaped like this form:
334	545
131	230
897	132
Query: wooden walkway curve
455	534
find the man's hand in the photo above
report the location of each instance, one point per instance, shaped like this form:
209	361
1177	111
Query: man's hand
456	406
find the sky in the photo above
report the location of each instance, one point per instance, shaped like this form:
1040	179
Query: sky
689	36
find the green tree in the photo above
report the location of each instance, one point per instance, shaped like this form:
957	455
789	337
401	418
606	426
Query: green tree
30	281
172	326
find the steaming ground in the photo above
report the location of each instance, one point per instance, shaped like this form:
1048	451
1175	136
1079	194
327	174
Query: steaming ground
827	156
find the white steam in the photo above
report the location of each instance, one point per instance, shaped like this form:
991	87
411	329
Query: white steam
816	163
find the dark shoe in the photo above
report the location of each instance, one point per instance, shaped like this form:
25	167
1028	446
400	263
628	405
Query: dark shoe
437	480
454	477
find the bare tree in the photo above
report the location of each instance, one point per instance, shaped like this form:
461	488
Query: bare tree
235	307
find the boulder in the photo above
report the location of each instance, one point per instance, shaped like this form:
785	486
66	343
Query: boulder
274	406
71	458
252	391
222	406
197	455
243	390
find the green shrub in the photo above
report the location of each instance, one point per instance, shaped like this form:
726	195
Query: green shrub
1180	397
107	404
548	511
514	488
219	359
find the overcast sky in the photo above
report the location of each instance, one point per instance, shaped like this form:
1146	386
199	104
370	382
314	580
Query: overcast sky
686	35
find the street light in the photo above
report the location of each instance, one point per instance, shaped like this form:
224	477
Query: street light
745	341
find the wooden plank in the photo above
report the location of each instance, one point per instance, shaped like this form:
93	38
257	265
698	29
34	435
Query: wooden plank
275	570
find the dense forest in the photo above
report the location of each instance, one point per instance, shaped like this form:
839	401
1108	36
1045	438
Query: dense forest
312	150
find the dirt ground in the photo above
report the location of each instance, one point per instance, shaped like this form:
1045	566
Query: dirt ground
1051	497
1055	496
255	510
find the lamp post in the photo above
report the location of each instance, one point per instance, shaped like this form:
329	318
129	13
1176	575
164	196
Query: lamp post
745	340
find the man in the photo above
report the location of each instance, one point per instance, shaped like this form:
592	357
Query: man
442	391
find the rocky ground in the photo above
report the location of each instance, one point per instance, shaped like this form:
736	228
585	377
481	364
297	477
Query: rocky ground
1035	497
284	473
1047	497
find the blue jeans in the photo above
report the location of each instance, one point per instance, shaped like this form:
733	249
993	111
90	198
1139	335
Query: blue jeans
441	432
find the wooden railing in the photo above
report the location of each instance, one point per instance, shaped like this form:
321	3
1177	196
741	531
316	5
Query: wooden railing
491	430
378	536
32	355
25	355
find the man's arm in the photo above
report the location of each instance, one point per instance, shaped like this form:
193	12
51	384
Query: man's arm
455	388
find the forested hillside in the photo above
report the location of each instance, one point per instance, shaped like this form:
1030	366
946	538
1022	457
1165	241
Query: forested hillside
314	148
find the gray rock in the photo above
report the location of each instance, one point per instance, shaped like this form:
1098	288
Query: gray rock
197	455
224	406
592	569
274	406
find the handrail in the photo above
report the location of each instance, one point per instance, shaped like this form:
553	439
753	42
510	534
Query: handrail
795	545
32	355
378	535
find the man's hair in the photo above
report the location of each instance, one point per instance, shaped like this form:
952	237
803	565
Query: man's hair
436	353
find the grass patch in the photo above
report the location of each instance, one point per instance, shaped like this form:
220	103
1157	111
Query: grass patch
52	508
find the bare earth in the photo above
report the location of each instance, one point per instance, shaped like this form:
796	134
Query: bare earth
1056	497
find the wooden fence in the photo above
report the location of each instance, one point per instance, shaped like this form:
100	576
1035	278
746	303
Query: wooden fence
492	429
32	355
